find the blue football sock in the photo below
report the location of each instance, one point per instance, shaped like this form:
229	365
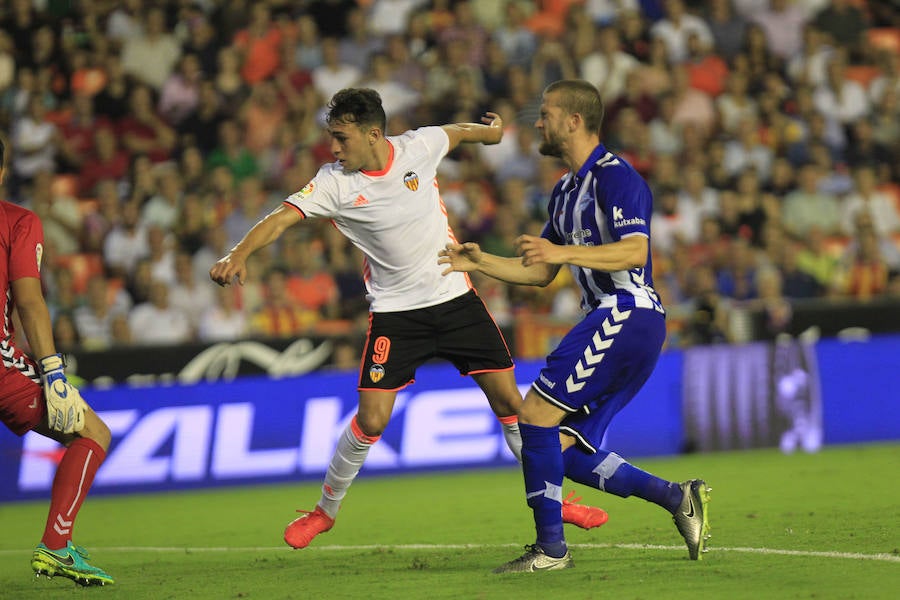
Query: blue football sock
609	472
542	465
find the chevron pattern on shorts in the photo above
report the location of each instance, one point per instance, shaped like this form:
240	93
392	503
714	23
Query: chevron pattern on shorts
595	351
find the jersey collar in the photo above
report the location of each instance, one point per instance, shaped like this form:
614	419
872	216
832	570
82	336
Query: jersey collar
598	153
387	167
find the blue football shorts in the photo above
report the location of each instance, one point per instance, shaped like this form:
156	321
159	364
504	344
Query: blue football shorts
598	367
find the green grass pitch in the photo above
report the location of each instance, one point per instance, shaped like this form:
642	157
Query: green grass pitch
802	526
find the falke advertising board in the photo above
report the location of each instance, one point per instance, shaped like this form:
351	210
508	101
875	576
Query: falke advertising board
267	430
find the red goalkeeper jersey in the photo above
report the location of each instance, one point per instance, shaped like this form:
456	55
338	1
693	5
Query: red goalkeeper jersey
21	249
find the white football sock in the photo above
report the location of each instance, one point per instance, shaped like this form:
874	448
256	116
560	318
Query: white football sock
349	456
513	437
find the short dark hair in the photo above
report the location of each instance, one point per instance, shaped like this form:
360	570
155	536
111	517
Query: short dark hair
581	97
357	105
2	152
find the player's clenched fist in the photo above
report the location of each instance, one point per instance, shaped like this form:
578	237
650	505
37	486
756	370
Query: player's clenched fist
227	268
65	407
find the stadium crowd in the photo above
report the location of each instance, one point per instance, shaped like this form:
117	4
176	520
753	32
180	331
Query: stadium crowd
150	135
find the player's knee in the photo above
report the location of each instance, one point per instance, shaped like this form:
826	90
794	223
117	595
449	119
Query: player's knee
96	429
506	404
536	411
371	424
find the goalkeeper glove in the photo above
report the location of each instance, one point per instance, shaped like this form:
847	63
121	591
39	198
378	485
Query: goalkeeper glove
65	408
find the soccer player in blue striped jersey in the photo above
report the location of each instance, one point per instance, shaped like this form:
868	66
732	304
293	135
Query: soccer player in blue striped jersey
599	225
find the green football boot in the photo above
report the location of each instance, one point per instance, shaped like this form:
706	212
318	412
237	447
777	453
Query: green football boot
71	562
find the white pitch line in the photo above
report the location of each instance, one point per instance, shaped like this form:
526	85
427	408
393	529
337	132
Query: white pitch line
882	557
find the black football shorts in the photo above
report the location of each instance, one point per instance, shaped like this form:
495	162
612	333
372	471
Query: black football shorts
461	331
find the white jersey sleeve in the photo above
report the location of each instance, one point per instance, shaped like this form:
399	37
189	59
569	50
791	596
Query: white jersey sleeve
320	198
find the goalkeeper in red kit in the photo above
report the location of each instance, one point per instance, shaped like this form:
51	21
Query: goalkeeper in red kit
35	395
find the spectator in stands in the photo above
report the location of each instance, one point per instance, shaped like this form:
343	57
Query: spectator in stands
844	24
333	75
112	100
780	22
188	294
736	103
164	206
783	178
259	45
726	28
746	151
107	161
308	46
143	131
806	207
865	149
125	21
76	128
840	98
665	133
99	222
65	334
161	254
232	153
280	316
692	106
150	55
203	43
708	320
252	206
310	283
695	196
757	58
93	321
736	279
675	28
517	41
126	242
608	66
706	70
670	224
230	86
180	94
888	249
796	283
61	284
774	306
865	274
398	98
222	320
35	139
201	127
156	322
810	65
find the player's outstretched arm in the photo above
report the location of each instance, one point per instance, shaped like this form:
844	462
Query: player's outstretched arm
267	230
469	257
489	131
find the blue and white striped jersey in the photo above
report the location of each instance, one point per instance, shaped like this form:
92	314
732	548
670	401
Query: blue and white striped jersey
605	201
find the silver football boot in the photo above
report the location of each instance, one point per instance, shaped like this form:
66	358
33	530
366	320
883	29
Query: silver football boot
692	516
533	560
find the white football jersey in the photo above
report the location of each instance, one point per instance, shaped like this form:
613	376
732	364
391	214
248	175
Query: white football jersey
396	217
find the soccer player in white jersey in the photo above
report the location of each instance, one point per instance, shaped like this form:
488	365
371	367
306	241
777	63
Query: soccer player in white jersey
599	225
382	193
